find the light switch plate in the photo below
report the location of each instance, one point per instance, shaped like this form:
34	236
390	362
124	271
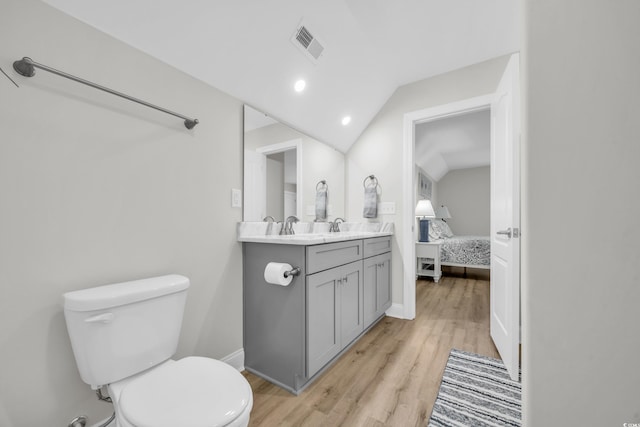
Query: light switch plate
387	208
236	198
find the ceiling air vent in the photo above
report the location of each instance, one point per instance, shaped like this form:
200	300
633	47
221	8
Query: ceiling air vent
307	43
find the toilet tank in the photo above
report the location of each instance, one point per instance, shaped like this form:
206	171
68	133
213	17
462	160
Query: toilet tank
125	328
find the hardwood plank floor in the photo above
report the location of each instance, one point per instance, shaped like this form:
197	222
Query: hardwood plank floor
392	375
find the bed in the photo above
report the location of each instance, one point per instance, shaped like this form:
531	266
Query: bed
460	251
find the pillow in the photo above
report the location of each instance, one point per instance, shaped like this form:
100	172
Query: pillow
438	229
446	230
435	232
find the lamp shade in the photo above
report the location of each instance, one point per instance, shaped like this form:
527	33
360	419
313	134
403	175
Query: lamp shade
442	212
424	209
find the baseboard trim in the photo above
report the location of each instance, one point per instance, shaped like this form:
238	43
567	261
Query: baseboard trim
235	359
396	310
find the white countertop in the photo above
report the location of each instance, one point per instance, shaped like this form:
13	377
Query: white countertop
313	238
310	233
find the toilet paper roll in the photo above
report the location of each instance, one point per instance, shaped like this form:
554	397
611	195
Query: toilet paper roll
274	273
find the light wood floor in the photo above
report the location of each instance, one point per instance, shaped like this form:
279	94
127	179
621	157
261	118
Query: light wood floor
391	376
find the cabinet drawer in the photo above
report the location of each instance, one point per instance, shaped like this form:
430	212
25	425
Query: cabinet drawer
376	246
322	257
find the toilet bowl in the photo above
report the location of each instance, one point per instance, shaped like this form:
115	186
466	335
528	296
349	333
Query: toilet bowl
123	336
190	392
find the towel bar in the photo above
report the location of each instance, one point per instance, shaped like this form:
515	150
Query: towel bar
26	67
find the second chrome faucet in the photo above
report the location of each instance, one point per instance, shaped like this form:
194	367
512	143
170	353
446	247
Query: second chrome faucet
287	227
335	225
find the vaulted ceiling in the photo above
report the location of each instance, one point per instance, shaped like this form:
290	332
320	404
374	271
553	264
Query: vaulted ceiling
458	142
371	47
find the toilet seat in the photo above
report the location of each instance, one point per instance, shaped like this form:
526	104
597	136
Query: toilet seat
190	392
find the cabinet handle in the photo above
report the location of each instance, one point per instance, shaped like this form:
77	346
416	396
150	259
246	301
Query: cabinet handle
346	278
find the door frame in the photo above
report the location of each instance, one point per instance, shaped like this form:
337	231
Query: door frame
410	120
293	144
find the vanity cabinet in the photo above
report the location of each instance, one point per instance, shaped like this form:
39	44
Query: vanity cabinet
292	333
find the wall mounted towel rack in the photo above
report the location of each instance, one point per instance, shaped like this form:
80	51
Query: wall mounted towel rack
322	183
371	181
26	65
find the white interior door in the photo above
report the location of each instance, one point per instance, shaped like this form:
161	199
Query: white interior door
505	218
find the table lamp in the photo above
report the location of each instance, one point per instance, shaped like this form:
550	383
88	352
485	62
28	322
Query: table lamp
443	213
424	211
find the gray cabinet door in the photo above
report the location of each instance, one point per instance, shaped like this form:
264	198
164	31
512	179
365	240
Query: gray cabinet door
351	296
369	273
323	333
383	284
334	313
377	287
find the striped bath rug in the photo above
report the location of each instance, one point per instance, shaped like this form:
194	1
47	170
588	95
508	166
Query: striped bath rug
476	391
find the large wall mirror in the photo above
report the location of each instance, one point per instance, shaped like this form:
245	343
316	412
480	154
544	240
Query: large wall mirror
282	168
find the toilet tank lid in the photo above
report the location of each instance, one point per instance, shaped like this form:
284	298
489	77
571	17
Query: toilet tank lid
118	294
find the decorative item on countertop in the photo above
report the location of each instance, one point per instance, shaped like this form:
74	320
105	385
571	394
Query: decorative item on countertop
322	200
371	186
424	210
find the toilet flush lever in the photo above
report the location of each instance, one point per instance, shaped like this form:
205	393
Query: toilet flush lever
100	318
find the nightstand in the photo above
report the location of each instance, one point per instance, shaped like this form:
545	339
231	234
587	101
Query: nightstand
428	259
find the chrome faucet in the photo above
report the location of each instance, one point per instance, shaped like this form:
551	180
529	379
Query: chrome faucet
270	221
335	225
287	227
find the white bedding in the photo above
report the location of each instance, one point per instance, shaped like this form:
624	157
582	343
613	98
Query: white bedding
468	251
463	251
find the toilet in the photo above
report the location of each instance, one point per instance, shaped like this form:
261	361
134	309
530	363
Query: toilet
123	337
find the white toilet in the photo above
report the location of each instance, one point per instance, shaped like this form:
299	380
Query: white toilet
123	336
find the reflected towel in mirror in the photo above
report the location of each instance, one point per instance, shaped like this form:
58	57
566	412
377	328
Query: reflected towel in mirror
370	202
321	204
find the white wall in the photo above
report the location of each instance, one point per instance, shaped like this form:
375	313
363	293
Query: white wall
581	281
378	150
275	185
467	194
95	189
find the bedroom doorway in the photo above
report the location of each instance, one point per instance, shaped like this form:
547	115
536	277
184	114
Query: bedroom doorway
481	103
453	155
505	207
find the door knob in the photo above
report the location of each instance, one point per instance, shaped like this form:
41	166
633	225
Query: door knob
506	232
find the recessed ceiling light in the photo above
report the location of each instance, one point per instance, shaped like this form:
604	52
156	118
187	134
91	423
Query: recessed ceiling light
300	85
346	120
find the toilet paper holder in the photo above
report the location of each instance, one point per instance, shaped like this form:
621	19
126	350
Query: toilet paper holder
293	272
